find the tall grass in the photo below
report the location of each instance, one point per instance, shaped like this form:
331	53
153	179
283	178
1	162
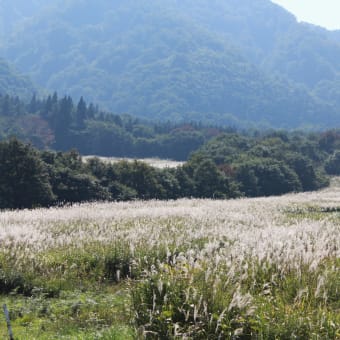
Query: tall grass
265	268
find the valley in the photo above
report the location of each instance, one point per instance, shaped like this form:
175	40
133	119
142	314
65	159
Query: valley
210	208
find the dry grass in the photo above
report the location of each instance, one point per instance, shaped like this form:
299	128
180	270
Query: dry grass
154	162
262	268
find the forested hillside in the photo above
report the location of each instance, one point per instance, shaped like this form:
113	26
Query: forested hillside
62	124
221	162
14	13
13	83
214	62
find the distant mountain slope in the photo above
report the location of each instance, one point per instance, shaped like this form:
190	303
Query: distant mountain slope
271	37
231	62
13	13
12	83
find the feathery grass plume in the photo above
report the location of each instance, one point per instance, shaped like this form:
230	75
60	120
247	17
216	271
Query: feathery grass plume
263	267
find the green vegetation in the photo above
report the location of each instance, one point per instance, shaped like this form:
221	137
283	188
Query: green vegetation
192	60
275	162
62	125
74	315
221	163
13	83
161	253
242	311
228	166
24	180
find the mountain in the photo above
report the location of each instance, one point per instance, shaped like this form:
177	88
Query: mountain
244	62
14	13
12	83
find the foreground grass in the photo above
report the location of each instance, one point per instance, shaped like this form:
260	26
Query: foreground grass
263	268
72	315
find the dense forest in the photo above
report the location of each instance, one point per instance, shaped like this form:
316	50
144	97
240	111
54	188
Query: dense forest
230	165
13	83
220	162
61	124
191	60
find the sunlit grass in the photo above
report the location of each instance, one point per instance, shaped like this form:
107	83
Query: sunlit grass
154	162
264	268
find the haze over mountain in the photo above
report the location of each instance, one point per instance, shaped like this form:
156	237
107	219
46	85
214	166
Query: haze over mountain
238	62
13	83
14	13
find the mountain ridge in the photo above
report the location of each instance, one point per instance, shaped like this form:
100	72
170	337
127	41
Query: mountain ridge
185	60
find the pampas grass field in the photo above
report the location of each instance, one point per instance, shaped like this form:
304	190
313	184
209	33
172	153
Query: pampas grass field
263	268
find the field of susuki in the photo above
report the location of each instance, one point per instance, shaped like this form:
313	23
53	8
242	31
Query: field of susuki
264	268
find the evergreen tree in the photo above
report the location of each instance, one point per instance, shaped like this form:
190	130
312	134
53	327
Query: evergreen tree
81	114
62	120
33	105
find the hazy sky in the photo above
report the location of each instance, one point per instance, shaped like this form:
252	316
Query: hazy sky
324	13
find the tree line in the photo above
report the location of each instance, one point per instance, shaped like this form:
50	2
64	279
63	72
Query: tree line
60	124
229	166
